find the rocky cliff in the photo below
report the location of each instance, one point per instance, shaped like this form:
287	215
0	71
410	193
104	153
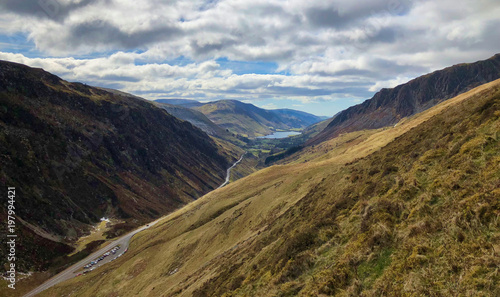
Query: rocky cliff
388	106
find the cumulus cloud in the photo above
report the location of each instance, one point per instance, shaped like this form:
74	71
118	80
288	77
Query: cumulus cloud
323	50
199	80
54	9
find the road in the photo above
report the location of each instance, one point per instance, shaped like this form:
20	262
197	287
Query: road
73	271
228	172
123	242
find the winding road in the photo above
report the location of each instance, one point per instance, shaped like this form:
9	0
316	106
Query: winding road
123	242
228	172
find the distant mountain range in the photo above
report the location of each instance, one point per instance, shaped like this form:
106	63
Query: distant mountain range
247	119
193	116
389	106
199	120
181	102
76	153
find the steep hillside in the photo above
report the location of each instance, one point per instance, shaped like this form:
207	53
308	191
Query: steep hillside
297	143
315	129
297	118
195	117
251	121
407	210
388	106
77	153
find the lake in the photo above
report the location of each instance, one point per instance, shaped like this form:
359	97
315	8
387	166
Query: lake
283	134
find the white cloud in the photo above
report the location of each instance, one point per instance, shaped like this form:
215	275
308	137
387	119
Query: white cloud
199	79
388	83
328	49
269	106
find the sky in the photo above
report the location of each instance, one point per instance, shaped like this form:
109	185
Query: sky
317	56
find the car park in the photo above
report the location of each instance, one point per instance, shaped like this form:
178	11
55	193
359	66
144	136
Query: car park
93	264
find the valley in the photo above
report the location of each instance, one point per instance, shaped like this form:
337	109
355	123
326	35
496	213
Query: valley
231	121
250	148
281	134
79	153
350	220
119	246
322	212
250	121
122	244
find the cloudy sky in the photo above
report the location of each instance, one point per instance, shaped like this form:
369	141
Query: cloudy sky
318	56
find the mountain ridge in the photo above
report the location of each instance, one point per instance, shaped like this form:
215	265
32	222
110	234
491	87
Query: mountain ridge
388	106
180	102
199	120
249	120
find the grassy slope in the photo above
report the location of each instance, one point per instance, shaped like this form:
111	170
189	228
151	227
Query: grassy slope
199	120
251	121
237	118
76	153
247	166
195	117
315	129
409	210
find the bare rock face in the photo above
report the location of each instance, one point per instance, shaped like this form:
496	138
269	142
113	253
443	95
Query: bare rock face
388	106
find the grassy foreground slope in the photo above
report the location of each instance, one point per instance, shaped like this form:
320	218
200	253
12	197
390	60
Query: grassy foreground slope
411	210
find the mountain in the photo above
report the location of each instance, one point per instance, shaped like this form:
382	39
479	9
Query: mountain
297	145
406	210
199	120
315	129
389	106
195	117
76	153
181	102
252	121
298	118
